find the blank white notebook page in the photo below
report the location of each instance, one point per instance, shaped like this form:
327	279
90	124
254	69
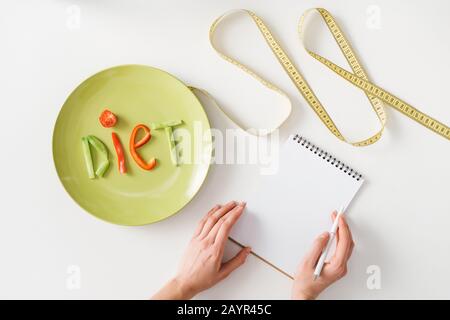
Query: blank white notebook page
289	209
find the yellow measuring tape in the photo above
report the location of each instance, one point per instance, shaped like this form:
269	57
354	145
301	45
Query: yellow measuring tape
375	94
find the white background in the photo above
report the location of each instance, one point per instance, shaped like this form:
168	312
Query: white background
400	219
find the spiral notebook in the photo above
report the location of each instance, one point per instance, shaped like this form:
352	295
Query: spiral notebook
289	209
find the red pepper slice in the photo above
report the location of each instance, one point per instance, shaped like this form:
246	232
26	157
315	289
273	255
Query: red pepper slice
120	153
135	145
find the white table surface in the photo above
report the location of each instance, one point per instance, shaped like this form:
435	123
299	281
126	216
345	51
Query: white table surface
400	219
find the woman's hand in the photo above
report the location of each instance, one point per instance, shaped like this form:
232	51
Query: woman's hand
304	285
201	266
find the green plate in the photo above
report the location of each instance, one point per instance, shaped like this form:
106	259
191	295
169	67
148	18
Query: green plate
136	94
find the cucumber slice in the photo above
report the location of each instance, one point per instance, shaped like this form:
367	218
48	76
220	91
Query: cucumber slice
164	124
88	157
172	146
102	168
98	145
104	154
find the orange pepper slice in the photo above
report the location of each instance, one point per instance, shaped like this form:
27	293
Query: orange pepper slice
136	145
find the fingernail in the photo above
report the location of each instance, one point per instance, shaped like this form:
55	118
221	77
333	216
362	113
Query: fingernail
243	204
324	235
248	250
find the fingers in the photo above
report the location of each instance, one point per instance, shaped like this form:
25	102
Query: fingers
333	217
202	222
234	263
220	235
344	244
214	217
316	250
351	250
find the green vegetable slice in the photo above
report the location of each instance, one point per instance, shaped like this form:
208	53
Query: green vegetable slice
172	146
88	157
165	124
100	147
102	168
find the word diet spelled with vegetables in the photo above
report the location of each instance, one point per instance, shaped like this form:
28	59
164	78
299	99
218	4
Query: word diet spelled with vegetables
109	120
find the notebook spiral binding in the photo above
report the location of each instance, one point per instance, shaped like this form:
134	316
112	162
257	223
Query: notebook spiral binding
328	157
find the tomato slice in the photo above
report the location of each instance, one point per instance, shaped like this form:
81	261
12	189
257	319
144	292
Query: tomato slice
108	119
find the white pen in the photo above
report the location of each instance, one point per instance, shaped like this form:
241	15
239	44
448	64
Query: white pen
324	254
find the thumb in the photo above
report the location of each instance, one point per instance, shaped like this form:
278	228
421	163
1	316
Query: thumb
317	248
234	263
